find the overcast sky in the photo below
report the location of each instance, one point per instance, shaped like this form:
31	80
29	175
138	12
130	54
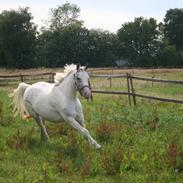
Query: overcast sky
104	14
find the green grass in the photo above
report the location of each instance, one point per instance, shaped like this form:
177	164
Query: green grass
139	144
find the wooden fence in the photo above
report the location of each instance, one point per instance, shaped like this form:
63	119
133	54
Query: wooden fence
131	93
131	90
23	77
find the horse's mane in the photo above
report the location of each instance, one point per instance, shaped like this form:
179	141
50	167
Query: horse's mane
68	69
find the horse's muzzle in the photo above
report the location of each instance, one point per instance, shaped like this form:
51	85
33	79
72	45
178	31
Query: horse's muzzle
86	92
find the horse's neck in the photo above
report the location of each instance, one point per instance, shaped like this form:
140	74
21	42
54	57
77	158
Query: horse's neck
67	86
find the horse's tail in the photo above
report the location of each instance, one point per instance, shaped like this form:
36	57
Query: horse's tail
19	107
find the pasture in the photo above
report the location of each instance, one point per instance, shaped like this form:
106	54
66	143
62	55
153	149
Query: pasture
141	144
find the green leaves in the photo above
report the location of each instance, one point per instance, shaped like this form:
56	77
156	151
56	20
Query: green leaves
140	41
64	15
174	27
17	38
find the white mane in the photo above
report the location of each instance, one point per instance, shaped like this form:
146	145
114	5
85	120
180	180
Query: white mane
59	77
67	70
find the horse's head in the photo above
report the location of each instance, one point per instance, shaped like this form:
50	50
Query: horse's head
82	82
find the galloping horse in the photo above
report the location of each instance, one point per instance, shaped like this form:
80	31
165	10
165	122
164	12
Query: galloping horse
56	102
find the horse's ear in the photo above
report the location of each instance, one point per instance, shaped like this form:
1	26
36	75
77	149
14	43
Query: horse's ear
86	67
78	66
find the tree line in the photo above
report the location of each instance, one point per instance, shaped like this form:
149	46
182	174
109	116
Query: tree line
64	39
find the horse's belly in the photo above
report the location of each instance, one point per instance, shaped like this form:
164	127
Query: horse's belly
45	112
50	115
37	102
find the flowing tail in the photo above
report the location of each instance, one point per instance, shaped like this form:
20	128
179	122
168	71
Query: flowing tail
19	108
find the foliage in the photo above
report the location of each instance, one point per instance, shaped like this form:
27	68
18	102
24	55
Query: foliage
17	39
66	45
64	15
74	43
168	56
104	48
174	27
140	41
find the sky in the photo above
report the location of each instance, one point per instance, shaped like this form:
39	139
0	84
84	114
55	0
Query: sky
98	14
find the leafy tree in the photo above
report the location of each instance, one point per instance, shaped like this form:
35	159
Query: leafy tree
66	45
168	56
104	48
139	41
67	41
173	27
17	39
43	41
64	15
74	43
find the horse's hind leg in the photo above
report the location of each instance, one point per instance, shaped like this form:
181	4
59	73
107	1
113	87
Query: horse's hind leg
39	120
44	134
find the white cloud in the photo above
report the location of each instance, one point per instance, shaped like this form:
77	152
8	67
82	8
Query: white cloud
110	20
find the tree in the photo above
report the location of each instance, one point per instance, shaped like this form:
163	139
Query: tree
66	45
168	56
173	27
64	15
65	40
139	41
104	48
17	39
68	41
73	44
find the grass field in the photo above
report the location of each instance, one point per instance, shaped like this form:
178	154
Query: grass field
142	144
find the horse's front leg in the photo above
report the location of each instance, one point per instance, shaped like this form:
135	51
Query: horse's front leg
71	121
80	119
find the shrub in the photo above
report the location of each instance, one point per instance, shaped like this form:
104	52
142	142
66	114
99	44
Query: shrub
18	140
111	161
104	131
85	168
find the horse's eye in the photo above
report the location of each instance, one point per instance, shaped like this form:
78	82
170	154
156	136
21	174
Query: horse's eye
78	79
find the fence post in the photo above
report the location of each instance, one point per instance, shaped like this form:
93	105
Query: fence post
128	85
110	81
52	77
152	81
132	90
21	78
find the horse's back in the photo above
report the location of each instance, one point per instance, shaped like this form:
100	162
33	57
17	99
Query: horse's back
39	88
43	86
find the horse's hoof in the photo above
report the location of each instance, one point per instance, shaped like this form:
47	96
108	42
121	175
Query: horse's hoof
45	141
98	146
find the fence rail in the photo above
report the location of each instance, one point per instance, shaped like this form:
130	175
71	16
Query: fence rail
108	76
131	89
138	95
23	76
156	80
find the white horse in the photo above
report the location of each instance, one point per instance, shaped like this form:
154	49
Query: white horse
56	102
